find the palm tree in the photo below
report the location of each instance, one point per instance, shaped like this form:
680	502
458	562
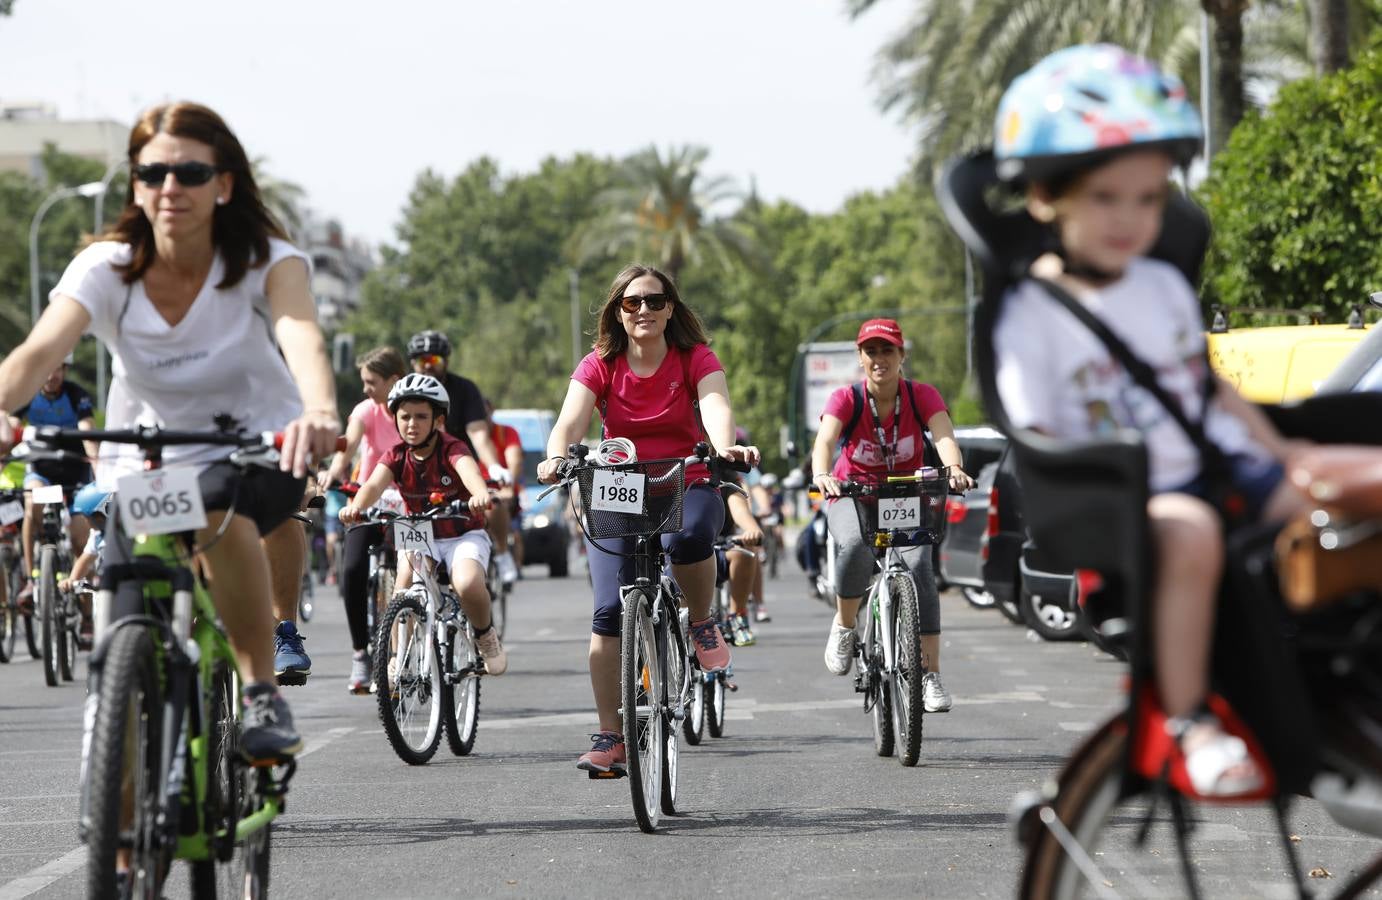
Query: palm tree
661	208
947	69
283	198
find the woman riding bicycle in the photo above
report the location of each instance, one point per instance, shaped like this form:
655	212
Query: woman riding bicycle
370	428
206	309
887	436
656	382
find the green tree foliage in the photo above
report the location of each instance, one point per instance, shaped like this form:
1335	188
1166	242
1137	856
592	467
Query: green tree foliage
1295	198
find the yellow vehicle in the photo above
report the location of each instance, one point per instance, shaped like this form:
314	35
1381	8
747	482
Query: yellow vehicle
1280	363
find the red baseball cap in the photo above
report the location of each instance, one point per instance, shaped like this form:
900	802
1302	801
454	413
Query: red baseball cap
882	329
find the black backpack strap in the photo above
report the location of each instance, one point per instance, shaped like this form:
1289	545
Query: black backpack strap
1212	459
930	456
857	392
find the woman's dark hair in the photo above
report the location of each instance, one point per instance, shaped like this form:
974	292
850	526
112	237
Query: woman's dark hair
240	229
386	362
684	329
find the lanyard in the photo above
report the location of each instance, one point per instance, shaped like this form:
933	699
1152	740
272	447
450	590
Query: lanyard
889	449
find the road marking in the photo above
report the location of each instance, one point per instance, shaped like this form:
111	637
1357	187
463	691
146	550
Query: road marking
1076	726
1013	673
35	881
317	743
44	875
1001	697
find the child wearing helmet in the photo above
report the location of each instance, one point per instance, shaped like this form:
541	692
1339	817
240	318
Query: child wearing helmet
1091	133
91	502
429	464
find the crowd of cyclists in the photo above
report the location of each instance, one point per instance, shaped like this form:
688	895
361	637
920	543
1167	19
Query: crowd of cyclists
206	307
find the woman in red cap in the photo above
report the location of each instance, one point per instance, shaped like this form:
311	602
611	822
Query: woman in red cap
887	435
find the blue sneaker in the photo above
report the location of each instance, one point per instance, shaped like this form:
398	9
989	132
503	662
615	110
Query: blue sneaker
292	665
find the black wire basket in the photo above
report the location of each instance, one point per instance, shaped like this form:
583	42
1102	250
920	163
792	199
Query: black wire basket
663	489
930	529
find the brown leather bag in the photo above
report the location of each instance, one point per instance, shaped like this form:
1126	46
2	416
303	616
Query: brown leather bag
1320	559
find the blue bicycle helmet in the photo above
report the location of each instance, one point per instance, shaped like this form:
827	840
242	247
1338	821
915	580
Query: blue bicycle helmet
91	501
1083	104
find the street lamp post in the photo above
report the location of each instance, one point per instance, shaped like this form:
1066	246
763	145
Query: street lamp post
90	189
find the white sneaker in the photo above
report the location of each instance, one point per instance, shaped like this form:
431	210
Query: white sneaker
934	696
839	650
508	571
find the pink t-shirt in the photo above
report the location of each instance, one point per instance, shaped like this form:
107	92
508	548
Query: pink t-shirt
380	434
654	412
862	454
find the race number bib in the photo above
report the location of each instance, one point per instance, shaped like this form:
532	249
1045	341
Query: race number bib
620	492
414	536
48	493
899	512
11	512
164	501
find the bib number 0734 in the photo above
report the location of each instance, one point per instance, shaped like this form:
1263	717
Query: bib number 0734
899	512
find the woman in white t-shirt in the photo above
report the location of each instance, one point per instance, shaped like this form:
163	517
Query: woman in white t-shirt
371	429
206	309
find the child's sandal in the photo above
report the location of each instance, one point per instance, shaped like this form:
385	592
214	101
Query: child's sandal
1210	764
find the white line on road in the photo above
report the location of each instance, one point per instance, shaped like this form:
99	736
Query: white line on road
35	881
1077	726
44	875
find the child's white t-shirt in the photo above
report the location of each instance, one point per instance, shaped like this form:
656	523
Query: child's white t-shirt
221	358
1055	375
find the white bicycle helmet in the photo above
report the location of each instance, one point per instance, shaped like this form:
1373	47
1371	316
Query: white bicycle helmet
419	387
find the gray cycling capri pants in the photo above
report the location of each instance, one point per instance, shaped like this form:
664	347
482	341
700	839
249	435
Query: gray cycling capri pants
855	565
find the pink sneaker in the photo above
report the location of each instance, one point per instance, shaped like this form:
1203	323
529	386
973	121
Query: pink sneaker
711	649
608	753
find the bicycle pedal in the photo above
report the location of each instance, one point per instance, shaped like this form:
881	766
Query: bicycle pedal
731	685
612	773
291	678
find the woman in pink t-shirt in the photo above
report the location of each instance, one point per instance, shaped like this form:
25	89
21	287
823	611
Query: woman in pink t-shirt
651	359
371	429
887	436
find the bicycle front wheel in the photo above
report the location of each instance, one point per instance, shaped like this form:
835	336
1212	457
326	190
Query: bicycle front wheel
8	625
676	683
498	594
68	619
407	681
693	726
908	669
121	786
461	701
46	607
641	693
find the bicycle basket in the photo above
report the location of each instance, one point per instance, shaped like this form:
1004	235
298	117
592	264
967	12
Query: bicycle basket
930	529
659	507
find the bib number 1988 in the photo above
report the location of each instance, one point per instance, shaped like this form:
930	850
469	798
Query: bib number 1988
164	501
617	491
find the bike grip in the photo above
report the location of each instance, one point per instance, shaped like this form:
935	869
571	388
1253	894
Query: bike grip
739	465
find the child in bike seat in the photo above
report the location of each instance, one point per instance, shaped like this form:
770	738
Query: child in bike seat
1091	133
432	467
91	502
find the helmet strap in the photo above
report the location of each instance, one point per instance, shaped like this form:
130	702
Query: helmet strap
1086	272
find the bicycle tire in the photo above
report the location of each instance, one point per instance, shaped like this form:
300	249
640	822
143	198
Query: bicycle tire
67	636
16	584
225	774
255	850
880	689
128	712
715	706
9	625
46	605
307	593
1090	789
382	584
675	687
639	697
418	685
908	670
461	701
693	726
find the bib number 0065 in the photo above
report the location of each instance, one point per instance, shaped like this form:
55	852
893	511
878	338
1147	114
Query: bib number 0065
164	501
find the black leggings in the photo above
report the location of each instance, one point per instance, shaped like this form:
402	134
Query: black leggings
355	579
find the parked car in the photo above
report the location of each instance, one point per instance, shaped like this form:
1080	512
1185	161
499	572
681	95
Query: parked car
966	540
544	525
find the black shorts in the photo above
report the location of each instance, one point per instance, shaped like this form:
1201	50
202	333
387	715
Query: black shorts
267	496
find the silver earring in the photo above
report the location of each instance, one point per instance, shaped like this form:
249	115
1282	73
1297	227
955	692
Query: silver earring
220	201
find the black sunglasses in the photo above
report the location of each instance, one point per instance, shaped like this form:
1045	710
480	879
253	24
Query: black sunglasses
188	174
633	302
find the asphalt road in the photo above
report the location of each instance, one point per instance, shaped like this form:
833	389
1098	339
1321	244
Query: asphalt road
791	802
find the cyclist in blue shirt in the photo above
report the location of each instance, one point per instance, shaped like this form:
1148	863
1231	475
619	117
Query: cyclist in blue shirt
62	403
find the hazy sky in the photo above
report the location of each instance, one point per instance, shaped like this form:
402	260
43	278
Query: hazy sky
351	100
